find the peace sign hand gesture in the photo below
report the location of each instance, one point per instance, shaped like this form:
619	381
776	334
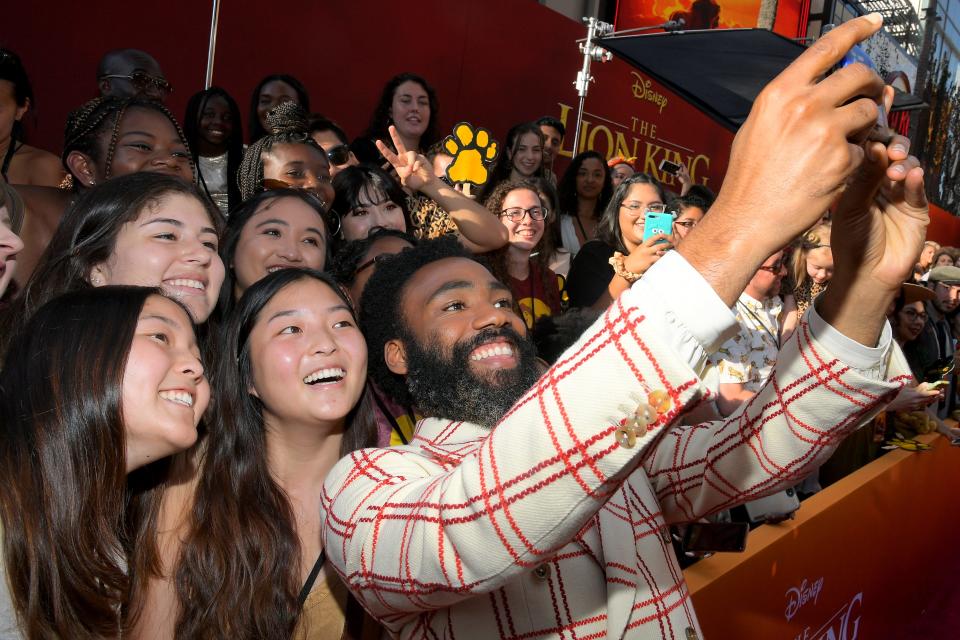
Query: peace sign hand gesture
413	169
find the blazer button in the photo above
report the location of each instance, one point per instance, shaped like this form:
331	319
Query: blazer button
692	634
542	572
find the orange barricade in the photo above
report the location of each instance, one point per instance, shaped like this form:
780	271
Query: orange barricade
872	556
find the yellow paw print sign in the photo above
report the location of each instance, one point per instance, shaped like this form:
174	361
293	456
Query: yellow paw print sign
472	150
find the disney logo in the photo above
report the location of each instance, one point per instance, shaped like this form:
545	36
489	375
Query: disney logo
799	596
642	91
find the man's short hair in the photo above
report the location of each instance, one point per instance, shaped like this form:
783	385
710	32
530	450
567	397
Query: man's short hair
381	305
320	123
122	61
549	121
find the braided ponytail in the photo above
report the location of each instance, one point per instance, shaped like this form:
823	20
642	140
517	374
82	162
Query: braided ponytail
288	124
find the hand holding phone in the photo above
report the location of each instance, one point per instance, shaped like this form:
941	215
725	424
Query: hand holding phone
657	223
670	168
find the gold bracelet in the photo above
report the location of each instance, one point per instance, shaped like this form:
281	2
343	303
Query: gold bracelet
617	262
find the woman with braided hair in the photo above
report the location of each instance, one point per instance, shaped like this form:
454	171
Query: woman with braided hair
104	138
286	157
109	137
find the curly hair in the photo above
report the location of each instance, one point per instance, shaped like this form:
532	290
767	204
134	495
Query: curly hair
288	125
381	306
87	125
542	252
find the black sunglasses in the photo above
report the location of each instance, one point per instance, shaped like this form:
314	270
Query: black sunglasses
339	154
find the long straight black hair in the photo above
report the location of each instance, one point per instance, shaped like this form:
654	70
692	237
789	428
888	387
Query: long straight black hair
71	549
238	572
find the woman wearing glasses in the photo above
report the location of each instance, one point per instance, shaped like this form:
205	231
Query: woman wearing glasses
690	211
522	263
604	268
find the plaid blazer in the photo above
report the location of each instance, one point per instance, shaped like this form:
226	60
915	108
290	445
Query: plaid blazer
555	523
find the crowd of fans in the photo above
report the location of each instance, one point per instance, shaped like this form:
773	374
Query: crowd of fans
198	324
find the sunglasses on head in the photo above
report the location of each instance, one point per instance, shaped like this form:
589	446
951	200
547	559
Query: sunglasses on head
142	81
339	154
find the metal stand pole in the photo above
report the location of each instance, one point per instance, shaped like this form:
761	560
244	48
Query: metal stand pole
208	80
591	52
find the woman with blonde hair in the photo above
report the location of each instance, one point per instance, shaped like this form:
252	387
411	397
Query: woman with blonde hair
810	272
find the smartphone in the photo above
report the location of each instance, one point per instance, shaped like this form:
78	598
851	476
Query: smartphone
938	383
656	223
955	442
858	54
671	168
713	537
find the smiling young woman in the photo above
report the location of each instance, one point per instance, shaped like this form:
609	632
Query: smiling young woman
291	399
72	438
143	229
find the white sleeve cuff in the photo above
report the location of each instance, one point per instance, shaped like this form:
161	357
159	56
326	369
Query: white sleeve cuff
870	361
687	300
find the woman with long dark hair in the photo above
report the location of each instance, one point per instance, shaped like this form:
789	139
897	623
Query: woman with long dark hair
276	229
19	162
98	388
291	400
142	229
584	191
604	268
520	159
268	94
215	135
408	103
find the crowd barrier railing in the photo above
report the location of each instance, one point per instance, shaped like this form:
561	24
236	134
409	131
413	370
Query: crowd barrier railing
871	556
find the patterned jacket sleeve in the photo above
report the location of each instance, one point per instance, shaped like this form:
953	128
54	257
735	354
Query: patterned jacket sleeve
811	402
411	532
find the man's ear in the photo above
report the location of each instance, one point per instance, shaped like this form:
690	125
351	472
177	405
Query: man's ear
82	167
395	355
104	86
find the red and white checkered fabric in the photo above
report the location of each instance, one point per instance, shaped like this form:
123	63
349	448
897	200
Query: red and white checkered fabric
546	527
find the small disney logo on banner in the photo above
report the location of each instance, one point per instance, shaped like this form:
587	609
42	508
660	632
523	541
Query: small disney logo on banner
842	625
799	596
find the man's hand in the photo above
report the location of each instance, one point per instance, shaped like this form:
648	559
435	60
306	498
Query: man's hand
789	161
878	232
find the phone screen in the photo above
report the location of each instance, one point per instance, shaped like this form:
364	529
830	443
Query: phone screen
669	167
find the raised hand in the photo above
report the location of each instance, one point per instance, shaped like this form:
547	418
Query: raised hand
881	220
413	169
789	161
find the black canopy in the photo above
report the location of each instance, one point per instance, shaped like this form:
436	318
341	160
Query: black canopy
721	71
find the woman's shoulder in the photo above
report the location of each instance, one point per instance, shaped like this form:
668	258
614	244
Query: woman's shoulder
35	166
595	249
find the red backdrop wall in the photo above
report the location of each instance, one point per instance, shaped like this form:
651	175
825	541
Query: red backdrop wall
493	62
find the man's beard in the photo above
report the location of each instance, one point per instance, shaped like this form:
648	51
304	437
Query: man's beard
449	388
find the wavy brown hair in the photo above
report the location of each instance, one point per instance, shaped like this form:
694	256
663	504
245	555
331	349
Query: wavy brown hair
238	574
77	542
